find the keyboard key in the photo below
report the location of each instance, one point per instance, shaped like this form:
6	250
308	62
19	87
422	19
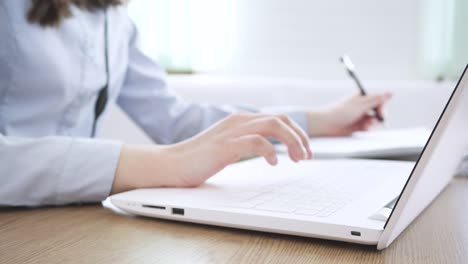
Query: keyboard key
246	205
275	208
306	212
324	214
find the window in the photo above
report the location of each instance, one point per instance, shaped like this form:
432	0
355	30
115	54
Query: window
186	35
445	38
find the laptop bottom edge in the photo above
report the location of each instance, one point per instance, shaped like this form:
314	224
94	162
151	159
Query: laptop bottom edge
254	222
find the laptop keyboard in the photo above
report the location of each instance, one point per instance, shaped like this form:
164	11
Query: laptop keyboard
318	197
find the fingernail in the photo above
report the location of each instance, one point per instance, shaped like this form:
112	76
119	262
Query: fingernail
275	160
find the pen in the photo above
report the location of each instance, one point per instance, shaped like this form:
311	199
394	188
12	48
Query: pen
351	72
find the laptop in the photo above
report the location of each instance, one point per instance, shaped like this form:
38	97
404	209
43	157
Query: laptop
358	201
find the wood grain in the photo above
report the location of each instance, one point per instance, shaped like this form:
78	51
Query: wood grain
92	234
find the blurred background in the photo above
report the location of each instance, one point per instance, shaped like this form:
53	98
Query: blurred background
388	40
276	53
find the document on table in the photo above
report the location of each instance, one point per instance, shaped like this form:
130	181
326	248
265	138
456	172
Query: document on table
384	143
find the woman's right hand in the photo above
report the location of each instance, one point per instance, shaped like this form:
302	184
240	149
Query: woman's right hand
192	162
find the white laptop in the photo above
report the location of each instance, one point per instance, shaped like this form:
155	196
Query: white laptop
358	201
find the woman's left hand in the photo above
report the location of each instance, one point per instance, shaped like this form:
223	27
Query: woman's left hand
349	116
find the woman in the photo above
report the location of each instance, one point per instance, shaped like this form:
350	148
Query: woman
62	61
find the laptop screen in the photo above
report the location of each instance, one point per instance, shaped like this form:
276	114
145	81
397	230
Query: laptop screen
438	160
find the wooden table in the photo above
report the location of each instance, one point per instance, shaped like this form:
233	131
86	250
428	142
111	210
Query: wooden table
92	234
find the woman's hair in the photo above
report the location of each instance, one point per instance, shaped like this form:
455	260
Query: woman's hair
53	12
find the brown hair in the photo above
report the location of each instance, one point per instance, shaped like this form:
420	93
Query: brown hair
53	12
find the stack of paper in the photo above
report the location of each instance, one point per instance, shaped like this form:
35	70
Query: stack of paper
372	144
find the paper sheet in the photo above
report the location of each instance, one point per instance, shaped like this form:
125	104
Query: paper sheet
371	144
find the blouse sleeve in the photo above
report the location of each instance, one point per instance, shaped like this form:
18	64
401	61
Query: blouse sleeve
55	170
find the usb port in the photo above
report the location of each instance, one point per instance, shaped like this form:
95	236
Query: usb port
178	211
355	233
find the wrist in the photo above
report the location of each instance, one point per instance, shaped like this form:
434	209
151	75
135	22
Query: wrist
144	167
317	123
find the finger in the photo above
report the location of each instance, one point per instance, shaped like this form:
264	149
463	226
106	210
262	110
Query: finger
370	102
243	116
240	117
289	122
271	126
362	124
302	134
367	124
380	111
257	144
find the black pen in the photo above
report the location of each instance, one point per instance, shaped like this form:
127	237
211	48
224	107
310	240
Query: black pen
351	72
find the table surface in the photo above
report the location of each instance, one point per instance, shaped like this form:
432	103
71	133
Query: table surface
93	234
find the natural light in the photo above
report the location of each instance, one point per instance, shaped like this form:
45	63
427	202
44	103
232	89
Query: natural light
186	34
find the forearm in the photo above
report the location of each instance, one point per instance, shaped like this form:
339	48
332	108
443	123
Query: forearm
143	166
